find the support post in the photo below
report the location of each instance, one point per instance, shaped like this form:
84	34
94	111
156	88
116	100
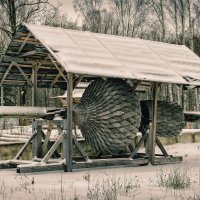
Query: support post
34	85
2	96
37	140
67	137
152	132
36	125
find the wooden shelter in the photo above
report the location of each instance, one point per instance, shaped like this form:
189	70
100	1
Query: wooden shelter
42	56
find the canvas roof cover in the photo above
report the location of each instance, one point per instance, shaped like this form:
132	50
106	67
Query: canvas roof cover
89	53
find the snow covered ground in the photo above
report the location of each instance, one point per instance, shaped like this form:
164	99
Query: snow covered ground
137	182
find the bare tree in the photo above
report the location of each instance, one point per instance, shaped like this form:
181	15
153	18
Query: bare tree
131	15
158	7
14	12
91	13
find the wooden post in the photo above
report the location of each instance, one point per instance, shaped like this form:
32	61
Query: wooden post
37	140
152	132
197	98
67	139
36	125
183	98
2	96
34	85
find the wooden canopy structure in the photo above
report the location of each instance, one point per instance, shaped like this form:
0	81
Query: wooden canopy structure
42	56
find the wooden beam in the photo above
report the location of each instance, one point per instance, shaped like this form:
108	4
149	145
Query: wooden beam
53	148
138	145
161	147
79	147
47	138
6	73
2	96
102	163
22	72
77	81
67	140
30	41
24	42
58	68
19	154
30	53
37	140
56	78
152	132
38	52
34	84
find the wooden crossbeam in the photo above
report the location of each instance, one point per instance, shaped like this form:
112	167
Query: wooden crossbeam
57	67
6	73
47	138
22	72
25	146
24	42
141	141
75	83
53	148
56	78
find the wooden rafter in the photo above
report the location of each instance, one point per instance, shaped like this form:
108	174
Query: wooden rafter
6	73
24	42
57	67
56	78
22	72
77	81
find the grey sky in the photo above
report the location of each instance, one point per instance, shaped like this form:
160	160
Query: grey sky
67	7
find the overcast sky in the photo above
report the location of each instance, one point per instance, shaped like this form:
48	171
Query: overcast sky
67	7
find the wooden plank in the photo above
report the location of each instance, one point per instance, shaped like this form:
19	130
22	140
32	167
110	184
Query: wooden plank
152	133
30	53
168	160
37	167
30	41
13	163
100	163
116	162
6	165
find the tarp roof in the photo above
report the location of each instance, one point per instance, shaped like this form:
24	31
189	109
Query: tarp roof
83	52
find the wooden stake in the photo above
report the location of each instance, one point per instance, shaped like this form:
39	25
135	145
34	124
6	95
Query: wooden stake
67	140
152	132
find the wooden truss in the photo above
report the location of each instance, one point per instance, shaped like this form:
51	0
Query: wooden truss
31	63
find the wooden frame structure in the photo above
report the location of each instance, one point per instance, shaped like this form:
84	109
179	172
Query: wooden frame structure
28	61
